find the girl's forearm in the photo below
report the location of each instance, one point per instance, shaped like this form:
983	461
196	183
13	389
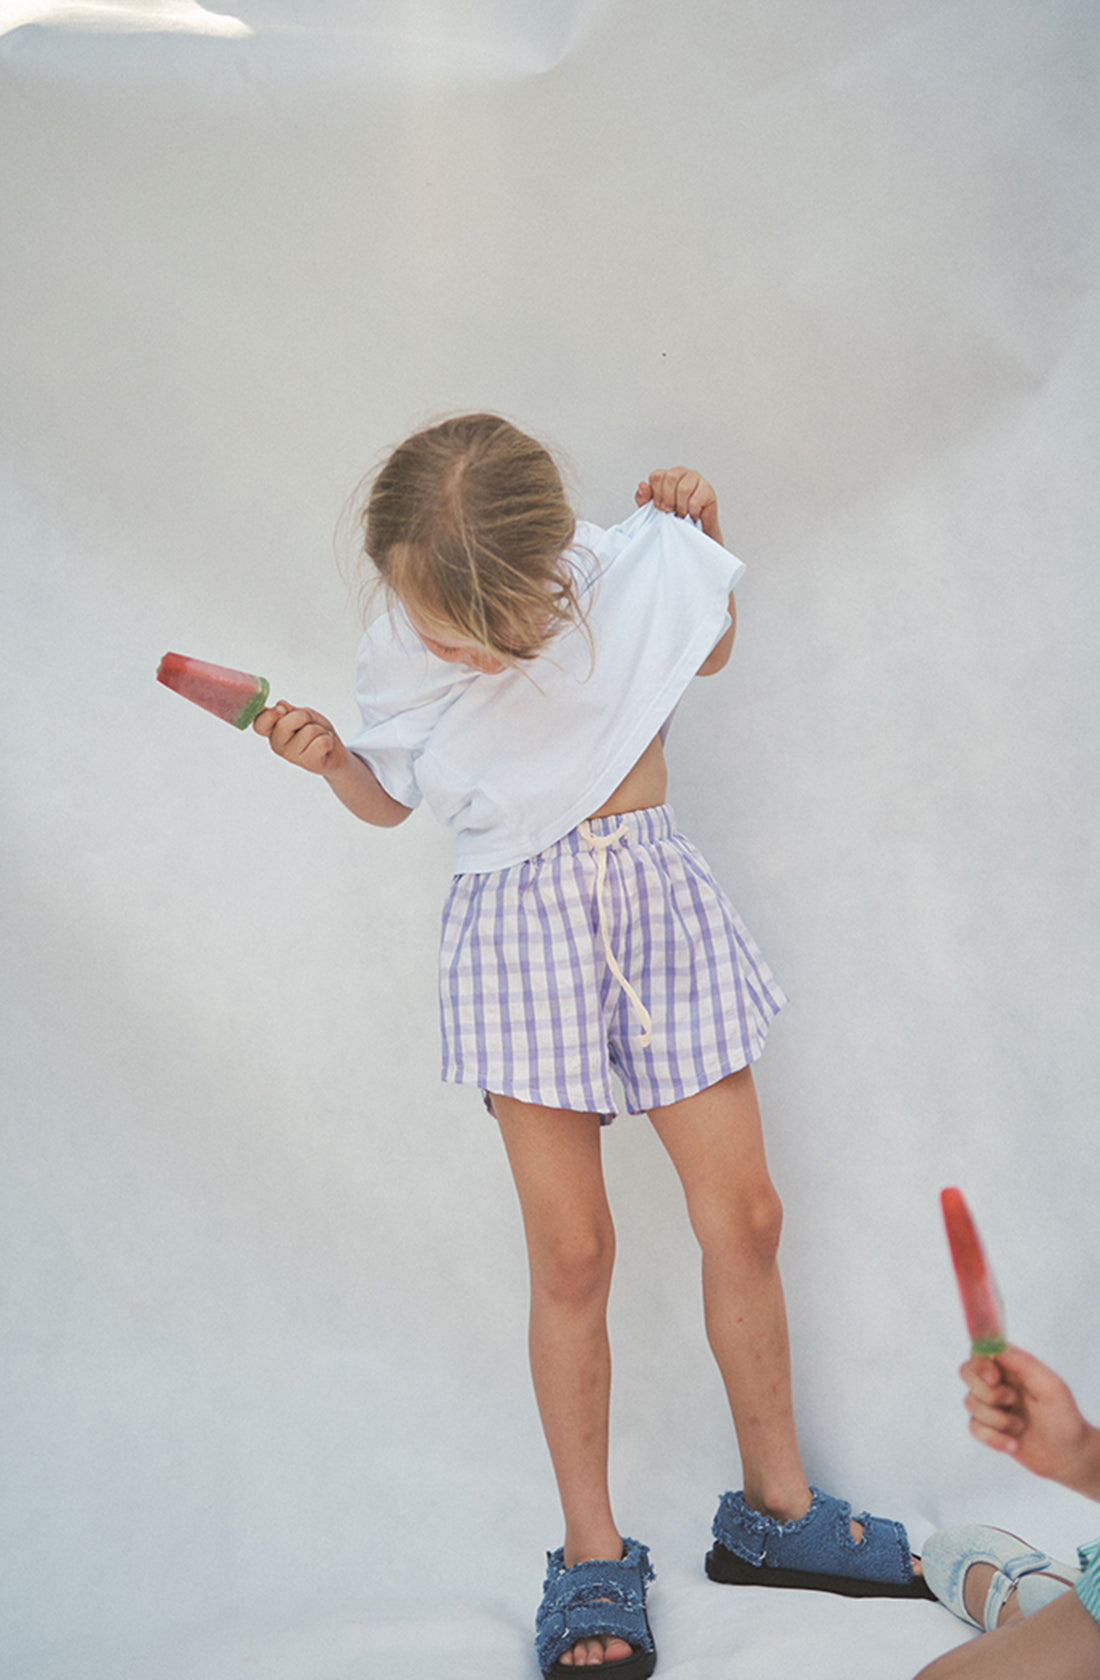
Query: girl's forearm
356	786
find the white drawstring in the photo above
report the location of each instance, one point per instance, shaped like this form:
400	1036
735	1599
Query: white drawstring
600	843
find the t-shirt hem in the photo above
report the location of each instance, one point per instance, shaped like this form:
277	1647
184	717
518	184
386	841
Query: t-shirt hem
602	786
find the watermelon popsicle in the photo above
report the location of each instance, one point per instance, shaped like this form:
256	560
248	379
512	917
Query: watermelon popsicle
981	1298
233	695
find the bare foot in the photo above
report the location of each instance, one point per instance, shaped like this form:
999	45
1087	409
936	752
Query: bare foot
979	1578
593	1653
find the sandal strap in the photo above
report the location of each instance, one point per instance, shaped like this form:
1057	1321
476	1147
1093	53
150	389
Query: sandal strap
603	1596
820	1542
1013	1576
950	1554
999	1589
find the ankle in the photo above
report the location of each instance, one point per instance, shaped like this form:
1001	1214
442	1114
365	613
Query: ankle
582	1546
785	1502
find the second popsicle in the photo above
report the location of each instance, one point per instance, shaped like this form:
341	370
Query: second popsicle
981	1298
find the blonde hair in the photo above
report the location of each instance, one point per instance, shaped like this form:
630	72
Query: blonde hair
468	523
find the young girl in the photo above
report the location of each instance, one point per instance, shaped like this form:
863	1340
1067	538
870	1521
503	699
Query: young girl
521	683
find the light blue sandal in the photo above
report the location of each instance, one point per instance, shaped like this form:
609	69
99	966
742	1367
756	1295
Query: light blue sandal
1036	1577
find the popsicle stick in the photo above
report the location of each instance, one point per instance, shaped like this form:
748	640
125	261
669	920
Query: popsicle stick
981	1298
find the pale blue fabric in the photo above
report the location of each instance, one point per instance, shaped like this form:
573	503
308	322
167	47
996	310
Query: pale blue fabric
1088	1587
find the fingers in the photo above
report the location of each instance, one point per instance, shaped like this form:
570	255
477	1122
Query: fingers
985	1378
684	492
266	720
998	1439
1020	1406
993	1403
998	1413
679	490
299	735
1028	1373
1013	1378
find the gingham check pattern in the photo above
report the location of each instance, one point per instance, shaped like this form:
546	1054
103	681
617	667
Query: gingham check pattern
530	1009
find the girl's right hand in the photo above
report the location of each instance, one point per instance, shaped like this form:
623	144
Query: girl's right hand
302	737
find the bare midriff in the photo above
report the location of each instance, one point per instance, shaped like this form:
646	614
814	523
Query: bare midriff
641	787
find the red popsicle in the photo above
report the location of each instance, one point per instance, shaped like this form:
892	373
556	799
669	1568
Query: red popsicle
981	1298
232	695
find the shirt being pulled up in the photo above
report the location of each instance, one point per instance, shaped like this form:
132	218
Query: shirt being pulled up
511	761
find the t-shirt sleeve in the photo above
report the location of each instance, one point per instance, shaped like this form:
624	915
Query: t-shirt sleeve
380	745
395	706
676	537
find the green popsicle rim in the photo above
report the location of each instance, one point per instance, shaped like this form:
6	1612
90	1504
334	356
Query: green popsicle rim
252	708
989	1345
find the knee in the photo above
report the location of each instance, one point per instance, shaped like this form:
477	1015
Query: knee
573	1267
741	1230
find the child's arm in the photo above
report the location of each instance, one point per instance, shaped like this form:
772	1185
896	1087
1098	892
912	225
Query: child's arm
305	737
1019	1406
687	494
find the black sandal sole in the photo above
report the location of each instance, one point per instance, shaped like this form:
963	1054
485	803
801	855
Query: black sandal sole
638	1667
725	1566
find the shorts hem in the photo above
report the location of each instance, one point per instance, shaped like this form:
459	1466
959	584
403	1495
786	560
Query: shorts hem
684	1088
694	1087
488	1086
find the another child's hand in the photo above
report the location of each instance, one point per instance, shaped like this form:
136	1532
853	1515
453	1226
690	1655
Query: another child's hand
302	737
1019	1406
681	491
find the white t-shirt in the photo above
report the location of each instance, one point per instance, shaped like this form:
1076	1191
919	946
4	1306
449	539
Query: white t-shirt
510	762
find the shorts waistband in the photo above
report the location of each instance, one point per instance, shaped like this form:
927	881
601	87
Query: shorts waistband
655	822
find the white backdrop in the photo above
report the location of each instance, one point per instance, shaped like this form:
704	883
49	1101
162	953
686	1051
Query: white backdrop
265	1399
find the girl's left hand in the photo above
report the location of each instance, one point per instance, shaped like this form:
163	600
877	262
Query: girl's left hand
684	492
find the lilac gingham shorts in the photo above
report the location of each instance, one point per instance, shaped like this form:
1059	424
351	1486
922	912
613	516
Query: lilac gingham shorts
530	1003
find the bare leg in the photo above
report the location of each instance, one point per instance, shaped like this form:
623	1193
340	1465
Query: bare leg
555	1159
1059	1642
716	1145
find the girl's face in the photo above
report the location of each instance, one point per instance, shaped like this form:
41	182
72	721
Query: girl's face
453	650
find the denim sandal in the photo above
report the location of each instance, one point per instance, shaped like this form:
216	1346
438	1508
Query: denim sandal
816	1551
590	1599
1036	1578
